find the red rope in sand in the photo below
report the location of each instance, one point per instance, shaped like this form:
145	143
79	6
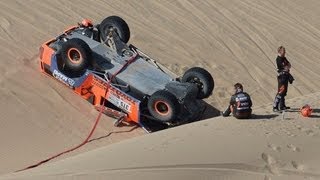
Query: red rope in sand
94	126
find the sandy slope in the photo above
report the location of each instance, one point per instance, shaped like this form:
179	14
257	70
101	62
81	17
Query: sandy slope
234	40
272	146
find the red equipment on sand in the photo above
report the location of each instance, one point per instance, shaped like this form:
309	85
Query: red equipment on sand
306	110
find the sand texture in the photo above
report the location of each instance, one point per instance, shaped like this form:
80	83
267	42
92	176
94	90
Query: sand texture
235	41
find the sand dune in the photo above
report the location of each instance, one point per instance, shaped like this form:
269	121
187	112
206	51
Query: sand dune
270	147
234	40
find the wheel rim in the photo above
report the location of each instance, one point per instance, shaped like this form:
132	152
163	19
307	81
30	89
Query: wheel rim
107	30
74	56
196	81
162	108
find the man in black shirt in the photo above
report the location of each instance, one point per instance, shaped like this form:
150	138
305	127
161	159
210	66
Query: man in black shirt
284	77
240	104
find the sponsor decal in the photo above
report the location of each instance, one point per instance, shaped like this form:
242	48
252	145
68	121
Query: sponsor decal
63	78
119	102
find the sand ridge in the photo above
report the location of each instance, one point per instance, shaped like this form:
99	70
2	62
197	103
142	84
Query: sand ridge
274	148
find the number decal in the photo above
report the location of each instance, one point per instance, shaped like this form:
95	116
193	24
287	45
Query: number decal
117	101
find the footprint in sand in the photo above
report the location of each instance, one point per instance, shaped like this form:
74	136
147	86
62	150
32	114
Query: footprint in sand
316	126
267	177
290	134
268	133
299	127
205	124
268	159
271	165
297	165
309	132
293	148
222	94
274	147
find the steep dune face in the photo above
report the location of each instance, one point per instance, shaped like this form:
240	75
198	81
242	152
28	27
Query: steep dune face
234	40
282	147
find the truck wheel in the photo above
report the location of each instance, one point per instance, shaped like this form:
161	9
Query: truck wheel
163	106
202	78
76	56
119	24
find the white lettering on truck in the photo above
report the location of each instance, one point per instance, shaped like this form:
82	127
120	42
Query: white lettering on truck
61	77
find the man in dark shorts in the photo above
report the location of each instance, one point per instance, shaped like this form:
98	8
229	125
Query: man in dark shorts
240	104
284	77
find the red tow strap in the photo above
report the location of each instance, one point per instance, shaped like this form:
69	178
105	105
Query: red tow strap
94	126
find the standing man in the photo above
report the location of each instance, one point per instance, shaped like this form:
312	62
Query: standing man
284	77
240	104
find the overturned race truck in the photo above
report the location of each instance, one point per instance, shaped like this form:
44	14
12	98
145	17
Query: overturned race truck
96	62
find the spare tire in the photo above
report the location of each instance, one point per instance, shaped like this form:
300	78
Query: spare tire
119	24
163	106
202	78
75	56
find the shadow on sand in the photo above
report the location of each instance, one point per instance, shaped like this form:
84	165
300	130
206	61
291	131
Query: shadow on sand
315	116
263	116
293	110
316	110
315	113
210	112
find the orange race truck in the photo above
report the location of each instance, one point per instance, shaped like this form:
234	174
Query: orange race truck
96	62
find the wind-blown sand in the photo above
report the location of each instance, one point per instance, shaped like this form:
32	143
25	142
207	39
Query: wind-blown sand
234	40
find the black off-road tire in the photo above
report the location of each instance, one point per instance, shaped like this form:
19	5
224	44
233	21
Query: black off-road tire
119	24
163	106
202	78
75	56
